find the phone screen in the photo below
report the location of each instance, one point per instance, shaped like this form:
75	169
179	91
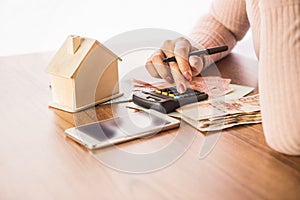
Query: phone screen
121	127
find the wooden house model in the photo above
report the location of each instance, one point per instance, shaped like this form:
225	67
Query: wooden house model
83	73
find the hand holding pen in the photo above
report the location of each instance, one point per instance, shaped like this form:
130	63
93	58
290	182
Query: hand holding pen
178	61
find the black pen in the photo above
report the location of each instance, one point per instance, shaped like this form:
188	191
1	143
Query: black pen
208	51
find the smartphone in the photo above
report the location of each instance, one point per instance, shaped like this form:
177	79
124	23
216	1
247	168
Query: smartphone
121	129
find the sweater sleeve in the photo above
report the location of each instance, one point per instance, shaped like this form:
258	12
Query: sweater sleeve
225	24
279	74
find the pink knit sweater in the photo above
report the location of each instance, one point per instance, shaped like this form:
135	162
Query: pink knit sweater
276	36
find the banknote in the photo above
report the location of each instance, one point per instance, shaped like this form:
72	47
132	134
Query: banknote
236	115
217	108
214	86
213	116
221	124
216	113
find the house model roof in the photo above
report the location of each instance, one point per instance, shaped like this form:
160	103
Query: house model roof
65	63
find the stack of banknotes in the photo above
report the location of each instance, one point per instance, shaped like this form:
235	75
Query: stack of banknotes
214	115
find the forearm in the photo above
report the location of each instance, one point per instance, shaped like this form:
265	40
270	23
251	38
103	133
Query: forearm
225	24
279	74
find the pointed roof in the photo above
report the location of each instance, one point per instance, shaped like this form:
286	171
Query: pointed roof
65	63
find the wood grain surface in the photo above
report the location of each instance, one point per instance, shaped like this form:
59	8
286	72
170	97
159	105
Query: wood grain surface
37	161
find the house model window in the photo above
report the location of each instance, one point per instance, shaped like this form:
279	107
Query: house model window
83	73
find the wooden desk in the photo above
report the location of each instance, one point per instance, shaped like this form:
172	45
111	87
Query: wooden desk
37	161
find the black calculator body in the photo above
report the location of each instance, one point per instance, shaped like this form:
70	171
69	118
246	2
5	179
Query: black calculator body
167	100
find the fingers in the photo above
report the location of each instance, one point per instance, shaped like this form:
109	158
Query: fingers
196	64
180	71
178	78
181	50
168	50
162	68
151	69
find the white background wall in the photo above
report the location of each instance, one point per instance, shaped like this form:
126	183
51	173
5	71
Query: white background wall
42	25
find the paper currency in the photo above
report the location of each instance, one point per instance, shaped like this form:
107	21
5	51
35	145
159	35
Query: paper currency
238	91
214	86
215	108
218	112
218	115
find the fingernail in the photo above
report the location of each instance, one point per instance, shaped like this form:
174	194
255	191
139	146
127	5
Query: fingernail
187	75
181	88
169	79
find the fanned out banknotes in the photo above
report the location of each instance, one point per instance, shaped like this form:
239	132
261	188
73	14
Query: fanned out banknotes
216	113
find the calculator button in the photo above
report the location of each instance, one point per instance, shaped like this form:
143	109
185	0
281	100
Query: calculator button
171	95
158	91
165	93
176	97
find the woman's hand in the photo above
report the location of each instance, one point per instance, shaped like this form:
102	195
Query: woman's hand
179	72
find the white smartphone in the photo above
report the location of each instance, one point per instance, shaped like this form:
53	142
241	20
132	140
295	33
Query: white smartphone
120	129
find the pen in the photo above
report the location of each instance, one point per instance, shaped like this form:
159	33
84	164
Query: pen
207	51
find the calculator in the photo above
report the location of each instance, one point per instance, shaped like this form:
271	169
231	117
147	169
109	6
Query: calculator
167	100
